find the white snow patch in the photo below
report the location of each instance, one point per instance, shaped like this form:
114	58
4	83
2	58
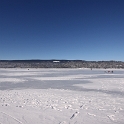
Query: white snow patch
11	80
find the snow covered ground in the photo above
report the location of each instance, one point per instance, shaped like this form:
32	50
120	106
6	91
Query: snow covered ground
61	96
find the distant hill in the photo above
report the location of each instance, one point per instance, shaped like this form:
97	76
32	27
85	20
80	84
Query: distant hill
60	64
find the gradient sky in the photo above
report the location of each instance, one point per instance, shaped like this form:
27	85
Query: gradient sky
62	29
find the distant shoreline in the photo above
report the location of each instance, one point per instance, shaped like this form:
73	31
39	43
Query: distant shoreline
60	64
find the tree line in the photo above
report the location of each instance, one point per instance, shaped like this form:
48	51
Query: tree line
60	64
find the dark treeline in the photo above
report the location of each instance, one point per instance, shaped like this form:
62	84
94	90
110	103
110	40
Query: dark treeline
60	64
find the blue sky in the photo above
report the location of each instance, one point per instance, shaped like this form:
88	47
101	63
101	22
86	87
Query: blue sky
62	29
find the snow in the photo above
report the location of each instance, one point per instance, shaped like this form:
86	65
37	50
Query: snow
61	96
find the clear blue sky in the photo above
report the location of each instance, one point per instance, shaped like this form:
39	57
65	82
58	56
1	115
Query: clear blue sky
62	29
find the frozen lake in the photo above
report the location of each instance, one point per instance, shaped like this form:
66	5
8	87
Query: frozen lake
61	96
51	78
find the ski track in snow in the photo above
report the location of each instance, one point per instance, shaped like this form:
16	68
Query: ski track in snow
7	115
99	102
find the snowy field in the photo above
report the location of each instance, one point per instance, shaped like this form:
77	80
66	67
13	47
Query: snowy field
61	96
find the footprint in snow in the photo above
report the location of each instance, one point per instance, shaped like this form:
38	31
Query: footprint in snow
74	115
111	117
64	122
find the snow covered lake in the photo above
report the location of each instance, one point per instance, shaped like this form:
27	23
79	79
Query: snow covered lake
61	96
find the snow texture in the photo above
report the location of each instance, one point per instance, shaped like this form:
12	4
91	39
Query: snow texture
61	96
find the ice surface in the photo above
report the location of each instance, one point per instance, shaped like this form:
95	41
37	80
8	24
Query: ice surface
61	96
